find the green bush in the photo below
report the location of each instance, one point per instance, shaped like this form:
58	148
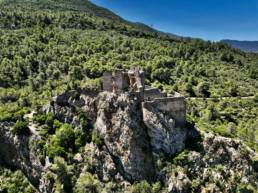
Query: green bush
14	182
50	119
195	185
54	151
181	158
18	115
41	119
203	89
95	138
80	139
156	187
21	128
87	183
246	188
141	187
64	173
6	117
65	142
256	98
57	124
65	136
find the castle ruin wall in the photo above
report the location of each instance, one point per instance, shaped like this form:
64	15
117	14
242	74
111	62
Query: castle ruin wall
174	106
153	93
107	81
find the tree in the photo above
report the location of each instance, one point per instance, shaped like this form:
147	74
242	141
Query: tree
63	174
256	98
203	89
226	57
21	128
141	187
65	136
87	183
76	73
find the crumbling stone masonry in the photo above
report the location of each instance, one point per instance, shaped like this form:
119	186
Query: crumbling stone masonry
133	81
120	81
173	106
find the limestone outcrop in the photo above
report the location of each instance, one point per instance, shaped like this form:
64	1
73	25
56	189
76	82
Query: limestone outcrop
165	137
16	153
119	123
220	165
132	131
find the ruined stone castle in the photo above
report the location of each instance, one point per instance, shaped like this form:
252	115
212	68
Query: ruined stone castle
136	122
132	81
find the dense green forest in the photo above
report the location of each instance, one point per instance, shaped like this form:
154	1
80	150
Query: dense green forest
47	47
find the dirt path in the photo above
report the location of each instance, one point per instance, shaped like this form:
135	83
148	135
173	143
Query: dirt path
32	126
219	98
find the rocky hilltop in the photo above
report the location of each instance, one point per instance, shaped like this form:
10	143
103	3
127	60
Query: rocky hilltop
126	145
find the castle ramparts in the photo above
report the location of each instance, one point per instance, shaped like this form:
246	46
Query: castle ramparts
133	81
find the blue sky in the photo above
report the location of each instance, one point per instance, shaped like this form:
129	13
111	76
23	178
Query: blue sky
207	19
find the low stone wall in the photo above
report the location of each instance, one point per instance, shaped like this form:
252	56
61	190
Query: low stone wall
175	106
153	93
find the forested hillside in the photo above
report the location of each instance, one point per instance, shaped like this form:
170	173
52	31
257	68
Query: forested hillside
47	47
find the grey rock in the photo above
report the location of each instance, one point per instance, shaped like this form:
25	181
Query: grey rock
165	137
15	152
119	124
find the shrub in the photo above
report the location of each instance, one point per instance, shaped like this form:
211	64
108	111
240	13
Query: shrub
54	151
256	98
14	182
80	139
156	187
63	172
84	123
203	89
65	136
50	119
41	119
245	188
95	138
181	158
141	187
9	96
222	130
21	128
19	115
10	116
87	183
57	124
6	117
195	185
49	123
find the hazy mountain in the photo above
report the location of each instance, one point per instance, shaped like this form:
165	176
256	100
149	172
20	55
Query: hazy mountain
246	46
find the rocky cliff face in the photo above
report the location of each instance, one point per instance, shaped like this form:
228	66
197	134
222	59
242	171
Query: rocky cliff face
119	123
220	165
15	152
165	137
132	134
135	144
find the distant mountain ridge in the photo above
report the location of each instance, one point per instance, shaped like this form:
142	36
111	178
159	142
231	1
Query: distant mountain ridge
246	46
97	11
